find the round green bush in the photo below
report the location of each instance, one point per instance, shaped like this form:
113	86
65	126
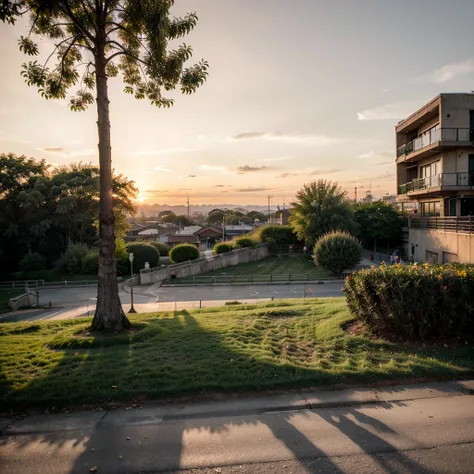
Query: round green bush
244	242
161	247
90	263
272	246
337	251
32	261
281	234
143	253
222	247
183	253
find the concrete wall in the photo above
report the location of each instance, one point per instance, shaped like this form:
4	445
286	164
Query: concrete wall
23	301
459	246
457	106
428	124
202	265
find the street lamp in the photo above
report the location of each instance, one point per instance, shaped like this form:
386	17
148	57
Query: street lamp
132	309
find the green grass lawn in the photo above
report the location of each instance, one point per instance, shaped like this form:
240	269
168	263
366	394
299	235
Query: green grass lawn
285	344
301	268
5	296
50	275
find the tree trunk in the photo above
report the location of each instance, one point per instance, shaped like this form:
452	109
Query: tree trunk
109	315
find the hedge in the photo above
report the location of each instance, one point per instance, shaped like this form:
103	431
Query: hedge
161	247
183	253
281	234
143	253
222	247
244	242
413	301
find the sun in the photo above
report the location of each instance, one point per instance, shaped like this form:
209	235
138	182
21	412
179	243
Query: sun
141	197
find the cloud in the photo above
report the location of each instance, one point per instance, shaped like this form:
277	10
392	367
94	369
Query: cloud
447	72
252	190
223	186
386	175
279	158
60	151
294	138
214	168
162	168
394	110
193	176
251	169
373	154
286	175
381	163
161	151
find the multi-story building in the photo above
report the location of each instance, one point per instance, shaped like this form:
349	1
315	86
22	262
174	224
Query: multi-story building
435	168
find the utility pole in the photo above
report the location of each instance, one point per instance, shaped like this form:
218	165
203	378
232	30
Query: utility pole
355	194
269	202
189	209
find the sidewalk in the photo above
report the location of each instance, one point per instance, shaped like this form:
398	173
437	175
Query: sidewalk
249	432
304	400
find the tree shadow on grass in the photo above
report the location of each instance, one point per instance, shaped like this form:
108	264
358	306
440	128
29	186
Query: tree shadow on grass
155	361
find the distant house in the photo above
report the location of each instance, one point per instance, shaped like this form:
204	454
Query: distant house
181	236
149	231
231	231
209	235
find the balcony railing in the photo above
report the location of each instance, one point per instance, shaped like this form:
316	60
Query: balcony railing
434	136
443	179
463	224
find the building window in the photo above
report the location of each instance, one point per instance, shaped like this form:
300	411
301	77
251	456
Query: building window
431	209
432	257
449	257
433	169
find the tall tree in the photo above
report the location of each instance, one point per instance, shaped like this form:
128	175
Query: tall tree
95	40
378	222
320	206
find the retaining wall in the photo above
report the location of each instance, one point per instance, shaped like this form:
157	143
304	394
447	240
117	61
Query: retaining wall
202	265
23	301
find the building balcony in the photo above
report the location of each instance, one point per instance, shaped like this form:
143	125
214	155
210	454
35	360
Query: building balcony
435	140
440	182
461	225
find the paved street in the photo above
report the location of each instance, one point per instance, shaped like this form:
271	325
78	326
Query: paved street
417	430
76	302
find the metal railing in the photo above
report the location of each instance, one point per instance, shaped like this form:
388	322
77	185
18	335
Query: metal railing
251	279
41	284
443	179
434	136
463	224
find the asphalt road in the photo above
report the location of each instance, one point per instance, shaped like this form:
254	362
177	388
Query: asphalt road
76	302
417	436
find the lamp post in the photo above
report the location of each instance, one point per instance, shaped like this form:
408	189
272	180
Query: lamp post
132	309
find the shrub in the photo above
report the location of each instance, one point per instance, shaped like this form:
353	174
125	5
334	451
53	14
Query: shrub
71	260
272	246
282	234
143	253
412	301
32	261
161	247
222	247
90	263
183	252
337	251
121	255
244	242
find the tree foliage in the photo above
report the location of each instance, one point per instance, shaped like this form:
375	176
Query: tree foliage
45	210
378	222
320	206
281	234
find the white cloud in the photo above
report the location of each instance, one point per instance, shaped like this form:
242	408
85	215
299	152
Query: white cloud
193	176
447	72
162	151
62	153
162	168
394	110
292	138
